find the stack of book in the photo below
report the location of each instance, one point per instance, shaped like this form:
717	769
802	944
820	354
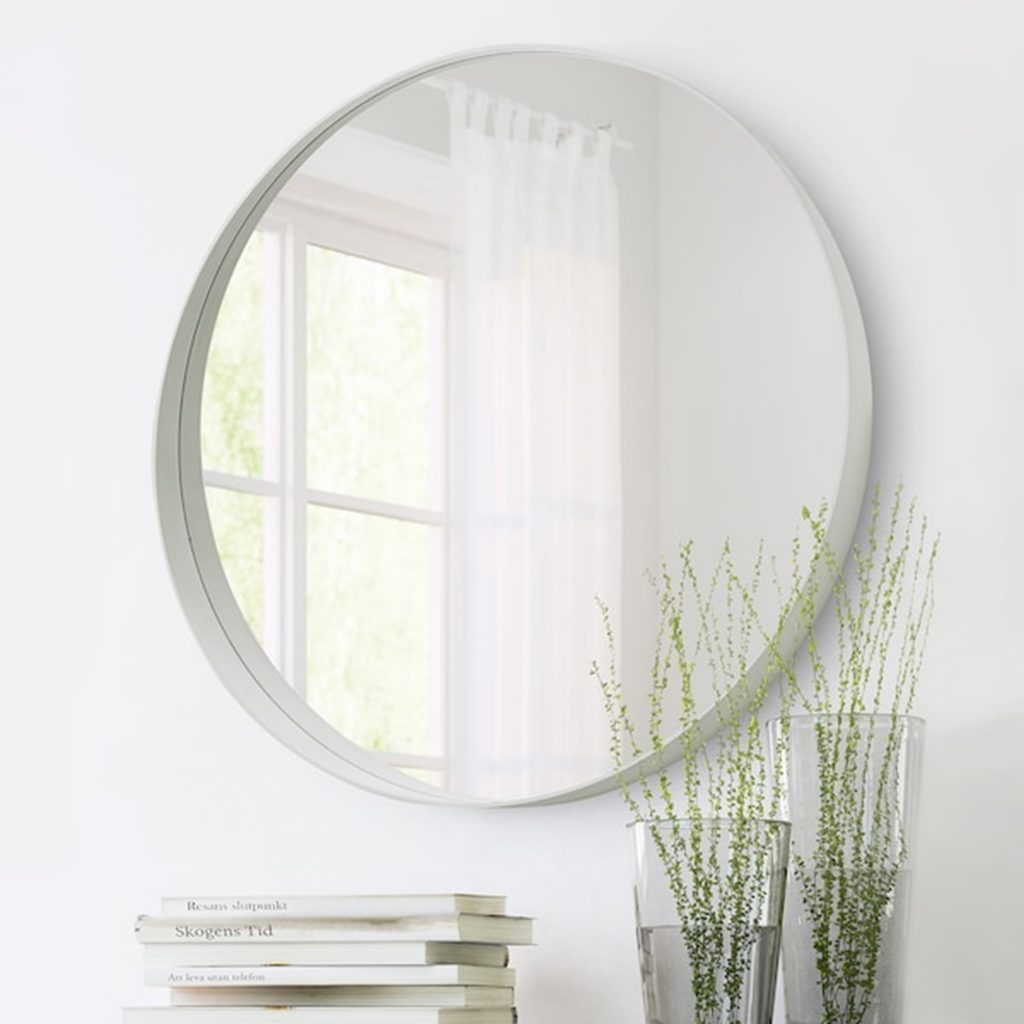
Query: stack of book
419	959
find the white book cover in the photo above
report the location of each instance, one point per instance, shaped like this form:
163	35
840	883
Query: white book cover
391	905
315	1015
259	954
434	974
347	995
483	928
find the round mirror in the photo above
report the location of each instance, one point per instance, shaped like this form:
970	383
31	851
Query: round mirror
484	348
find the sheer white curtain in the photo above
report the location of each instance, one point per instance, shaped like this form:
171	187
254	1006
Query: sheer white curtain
535	462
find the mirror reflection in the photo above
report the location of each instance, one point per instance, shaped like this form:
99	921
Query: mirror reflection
510	336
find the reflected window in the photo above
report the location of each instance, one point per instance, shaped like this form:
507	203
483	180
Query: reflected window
322	430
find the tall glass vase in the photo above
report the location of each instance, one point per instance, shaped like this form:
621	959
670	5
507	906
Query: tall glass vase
850	785
709	898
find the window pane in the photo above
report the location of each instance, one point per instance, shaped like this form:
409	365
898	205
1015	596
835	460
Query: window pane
369	379
369	649
232	413
237	521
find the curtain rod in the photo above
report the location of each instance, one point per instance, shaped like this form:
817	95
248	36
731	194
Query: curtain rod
443	85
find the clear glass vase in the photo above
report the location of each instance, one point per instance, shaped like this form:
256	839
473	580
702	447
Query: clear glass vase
709	898
850	789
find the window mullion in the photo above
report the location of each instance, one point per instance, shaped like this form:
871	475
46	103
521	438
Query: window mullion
439	456
273	330
293	444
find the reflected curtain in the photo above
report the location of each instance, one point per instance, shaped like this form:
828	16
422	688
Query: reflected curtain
534	475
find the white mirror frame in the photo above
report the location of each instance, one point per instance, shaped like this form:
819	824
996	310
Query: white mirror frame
209	604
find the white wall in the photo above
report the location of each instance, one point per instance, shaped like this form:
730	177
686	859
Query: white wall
129	131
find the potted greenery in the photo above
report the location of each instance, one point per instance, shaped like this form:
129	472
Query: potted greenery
711	852
848	765
843	771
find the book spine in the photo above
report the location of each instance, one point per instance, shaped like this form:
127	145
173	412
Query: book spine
329	906
278	906
198	977
254	954
157	929
505	931
311	1015
464	996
